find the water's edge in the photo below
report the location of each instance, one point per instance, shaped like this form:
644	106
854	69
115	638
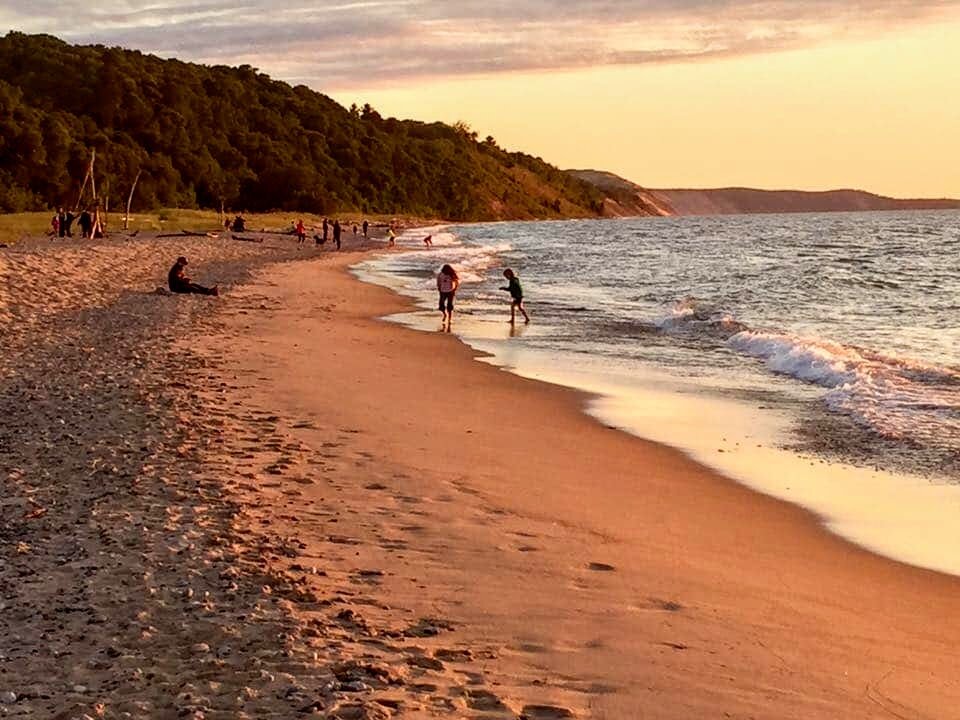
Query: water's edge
906	518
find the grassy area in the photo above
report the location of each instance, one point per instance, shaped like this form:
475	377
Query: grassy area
15	226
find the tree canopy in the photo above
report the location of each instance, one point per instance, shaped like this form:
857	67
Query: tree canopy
204	135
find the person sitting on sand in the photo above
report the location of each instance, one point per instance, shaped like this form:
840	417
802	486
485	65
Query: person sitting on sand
428	241
180	283
447	283
239	224
516	295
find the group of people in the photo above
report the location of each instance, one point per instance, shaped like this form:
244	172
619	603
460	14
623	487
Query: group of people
62	224
300	229
448	282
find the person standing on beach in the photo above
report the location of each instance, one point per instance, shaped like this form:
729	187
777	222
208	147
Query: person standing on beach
447	283
428	241
366	227
326	230
301	232
516	296
66	225
180	283
336	233
86	224
391	237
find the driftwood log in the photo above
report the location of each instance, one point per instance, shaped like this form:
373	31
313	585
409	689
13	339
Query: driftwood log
190	233
247	239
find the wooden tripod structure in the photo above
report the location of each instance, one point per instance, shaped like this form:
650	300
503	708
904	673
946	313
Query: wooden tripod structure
98	224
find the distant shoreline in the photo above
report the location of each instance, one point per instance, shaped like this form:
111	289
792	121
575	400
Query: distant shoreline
627	199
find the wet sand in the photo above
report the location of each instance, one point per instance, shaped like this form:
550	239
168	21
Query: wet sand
272	504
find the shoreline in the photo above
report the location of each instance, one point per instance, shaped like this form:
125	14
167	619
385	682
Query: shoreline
694	550
904	516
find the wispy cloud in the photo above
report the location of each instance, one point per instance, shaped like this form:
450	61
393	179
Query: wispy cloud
342	43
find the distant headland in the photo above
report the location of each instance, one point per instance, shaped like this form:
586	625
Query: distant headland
627	199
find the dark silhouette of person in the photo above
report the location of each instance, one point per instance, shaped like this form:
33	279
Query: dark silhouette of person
336	233
326	229
65	219
180	283
86	224
239	224
366	226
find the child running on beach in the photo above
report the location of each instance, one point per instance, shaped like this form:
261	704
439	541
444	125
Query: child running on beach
516	295
447	283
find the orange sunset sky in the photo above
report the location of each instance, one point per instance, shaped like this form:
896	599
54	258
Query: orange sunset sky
881	114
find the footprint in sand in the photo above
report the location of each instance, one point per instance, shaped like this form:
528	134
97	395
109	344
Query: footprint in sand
484	700
600	567
454	655
656	604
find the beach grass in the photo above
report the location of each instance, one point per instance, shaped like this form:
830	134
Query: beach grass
17	226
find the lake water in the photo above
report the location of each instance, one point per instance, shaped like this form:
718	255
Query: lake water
834	338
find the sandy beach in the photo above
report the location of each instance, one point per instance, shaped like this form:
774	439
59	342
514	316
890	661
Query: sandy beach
275	504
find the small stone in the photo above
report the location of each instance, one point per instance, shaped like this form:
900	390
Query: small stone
79	689
200	648
8	697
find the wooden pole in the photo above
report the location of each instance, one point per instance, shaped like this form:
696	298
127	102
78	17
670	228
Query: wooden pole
88	177
126	217
93	182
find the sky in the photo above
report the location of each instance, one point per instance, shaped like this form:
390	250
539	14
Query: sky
811	94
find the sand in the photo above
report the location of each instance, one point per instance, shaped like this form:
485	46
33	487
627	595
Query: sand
272	504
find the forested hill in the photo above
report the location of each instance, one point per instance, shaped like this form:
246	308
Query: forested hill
202	135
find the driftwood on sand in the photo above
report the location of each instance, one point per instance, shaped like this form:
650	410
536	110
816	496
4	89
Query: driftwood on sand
247	239
190	233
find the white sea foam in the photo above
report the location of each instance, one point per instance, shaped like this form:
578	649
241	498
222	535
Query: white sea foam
896	397
818	361
692	315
